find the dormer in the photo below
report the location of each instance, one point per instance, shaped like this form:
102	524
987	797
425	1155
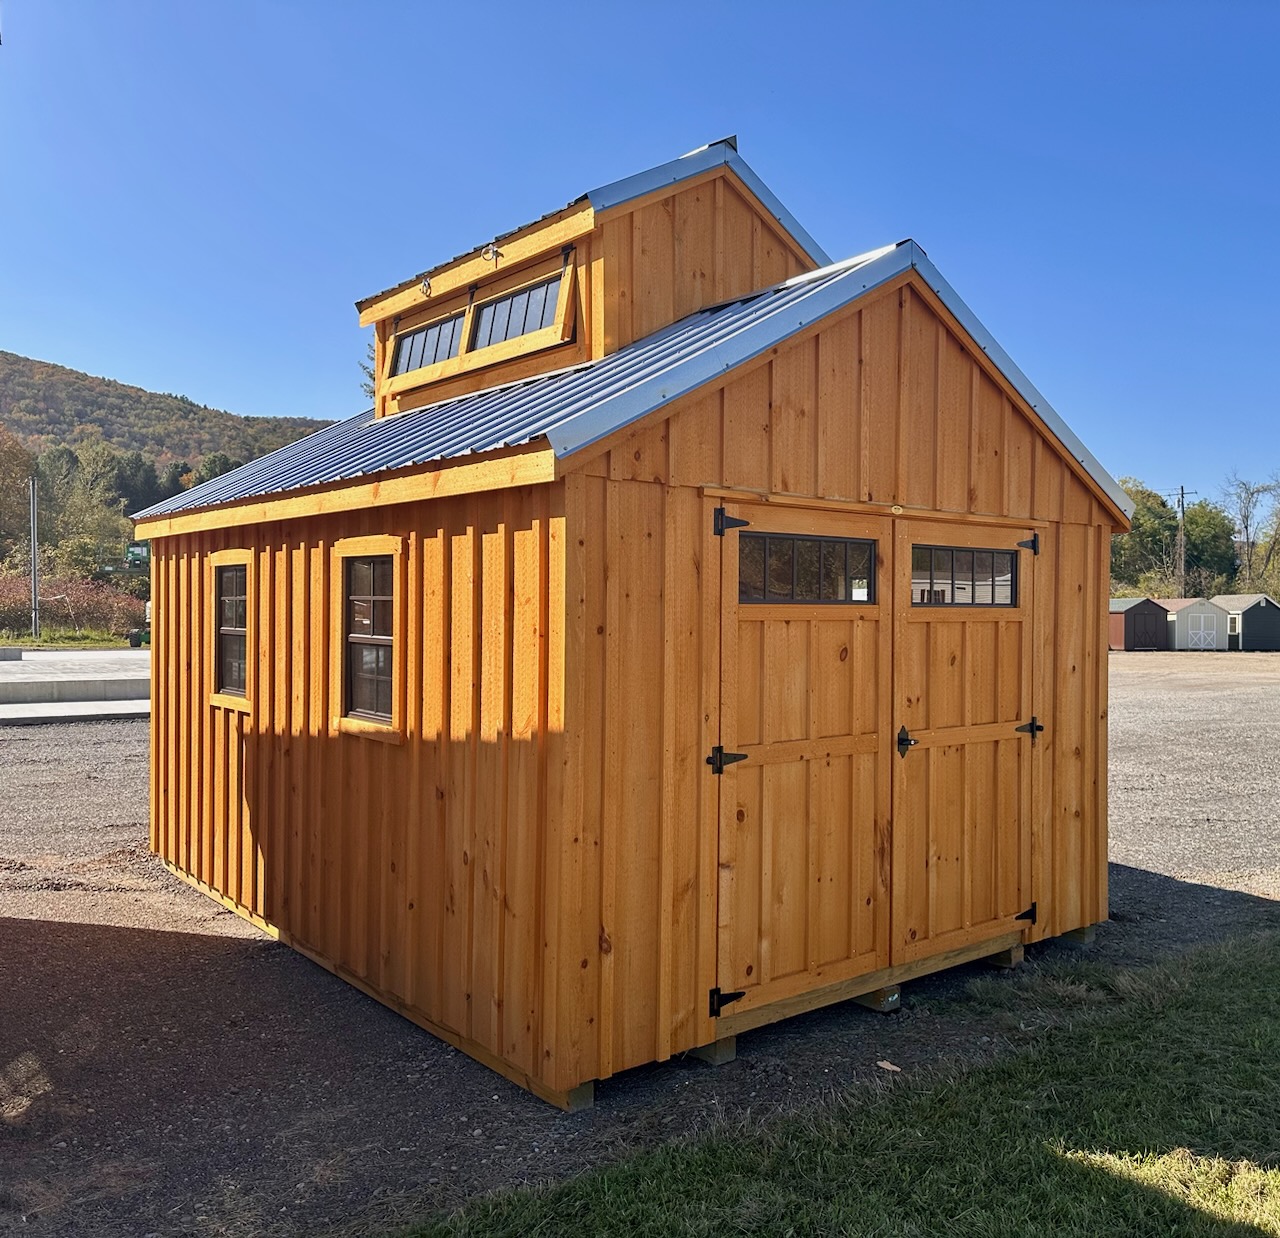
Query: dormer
617	264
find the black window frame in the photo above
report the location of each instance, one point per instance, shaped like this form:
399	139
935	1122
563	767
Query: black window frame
939	588
776	599
352	640
493	306
224	683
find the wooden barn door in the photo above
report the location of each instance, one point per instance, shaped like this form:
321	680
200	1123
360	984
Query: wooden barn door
962	713
805	723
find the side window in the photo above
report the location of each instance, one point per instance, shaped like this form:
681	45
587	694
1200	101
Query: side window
963	576
774	567
233	629
230	657
369	632
367	641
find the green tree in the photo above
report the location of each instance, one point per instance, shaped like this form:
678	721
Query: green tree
1149	545
16	467
214	465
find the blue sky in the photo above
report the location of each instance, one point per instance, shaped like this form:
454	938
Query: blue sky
192	196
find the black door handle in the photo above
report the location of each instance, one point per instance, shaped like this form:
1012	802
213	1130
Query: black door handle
905	742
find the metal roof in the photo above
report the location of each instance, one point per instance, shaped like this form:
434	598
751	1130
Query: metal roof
725	152
576	407
1119	605
1241	601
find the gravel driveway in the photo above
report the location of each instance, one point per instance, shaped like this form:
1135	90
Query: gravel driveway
166	1069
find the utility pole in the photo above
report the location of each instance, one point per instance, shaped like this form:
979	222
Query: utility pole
35	565
1182	541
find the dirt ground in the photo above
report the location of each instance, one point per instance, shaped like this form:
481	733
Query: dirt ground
165	1069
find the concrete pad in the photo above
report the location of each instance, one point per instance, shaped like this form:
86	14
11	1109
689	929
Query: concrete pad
36	713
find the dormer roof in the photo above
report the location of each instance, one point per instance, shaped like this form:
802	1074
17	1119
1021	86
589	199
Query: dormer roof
620	193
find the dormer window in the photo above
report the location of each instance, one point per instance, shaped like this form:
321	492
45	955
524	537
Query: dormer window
523	312
438	341
518	313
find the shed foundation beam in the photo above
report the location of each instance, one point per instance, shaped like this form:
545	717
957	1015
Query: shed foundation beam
1081	936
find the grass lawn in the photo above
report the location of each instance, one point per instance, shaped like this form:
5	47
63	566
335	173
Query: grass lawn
59	638
1144	1103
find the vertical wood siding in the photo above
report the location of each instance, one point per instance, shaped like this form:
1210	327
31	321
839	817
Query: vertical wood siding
533	873
415	868
886	404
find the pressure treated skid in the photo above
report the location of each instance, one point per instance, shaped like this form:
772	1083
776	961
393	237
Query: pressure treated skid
539	865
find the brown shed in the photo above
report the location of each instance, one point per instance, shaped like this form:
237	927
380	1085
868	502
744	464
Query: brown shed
1137	623
695	632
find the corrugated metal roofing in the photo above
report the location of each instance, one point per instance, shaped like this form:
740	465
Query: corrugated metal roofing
577	407
629	188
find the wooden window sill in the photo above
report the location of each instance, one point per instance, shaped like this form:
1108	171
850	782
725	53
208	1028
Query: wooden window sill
386	732
227	700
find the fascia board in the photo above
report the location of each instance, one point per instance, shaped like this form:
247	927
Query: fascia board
716	359
1021	383
716	155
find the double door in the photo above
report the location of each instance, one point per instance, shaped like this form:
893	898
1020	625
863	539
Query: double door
875	706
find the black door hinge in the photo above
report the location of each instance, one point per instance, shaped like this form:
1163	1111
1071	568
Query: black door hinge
1032	728
719	758
1029	914
1032	543
720	521
905	742
717	1000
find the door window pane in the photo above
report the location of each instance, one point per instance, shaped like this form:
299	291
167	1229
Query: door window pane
809	570
960	576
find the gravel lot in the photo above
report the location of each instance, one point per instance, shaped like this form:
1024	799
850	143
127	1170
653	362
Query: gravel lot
166	1069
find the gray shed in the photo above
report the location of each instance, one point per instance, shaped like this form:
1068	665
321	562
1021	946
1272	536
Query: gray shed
1253	620
1195	623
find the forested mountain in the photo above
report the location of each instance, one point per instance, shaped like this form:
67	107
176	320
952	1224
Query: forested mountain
46	405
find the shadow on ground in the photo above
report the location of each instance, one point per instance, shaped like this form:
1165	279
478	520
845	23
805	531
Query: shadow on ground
171	1083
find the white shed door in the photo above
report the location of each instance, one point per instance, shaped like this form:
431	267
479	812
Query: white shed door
1202	631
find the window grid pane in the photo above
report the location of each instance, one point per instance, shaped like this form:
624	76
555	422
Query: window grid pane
369	629
515	315
230	657
960	576
805	570
436	342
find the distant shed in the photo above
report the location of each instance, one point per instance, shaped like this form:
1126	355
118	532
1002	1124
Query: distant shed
695	632
1138	623
1195	623
1253	621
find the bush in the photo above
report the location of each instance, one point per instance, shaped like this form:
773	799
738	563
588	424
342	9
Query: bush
68	602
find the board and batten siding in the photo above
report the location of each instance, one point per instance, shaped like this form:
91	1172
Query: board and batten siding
416	870
535	873
882	405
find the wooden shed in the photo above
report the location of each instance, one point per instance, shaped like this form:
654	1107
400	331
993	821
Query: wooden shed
696	631
1138	623
1195	623
1253	621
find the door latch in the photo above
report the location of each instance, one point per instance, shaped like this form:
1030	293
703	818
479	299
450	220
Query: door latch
905	742
1032	728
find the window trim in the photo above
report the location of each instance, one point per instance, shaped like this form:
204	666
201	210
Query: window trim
231	700
560	331
340	722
